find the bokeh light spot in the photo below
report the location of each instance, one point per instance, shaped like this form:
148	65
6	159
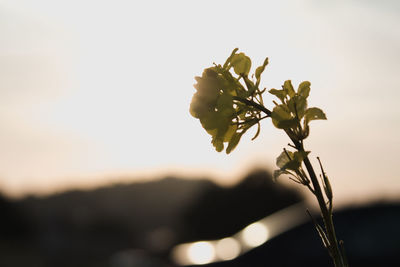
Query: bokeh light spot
255	234
227	248
201	252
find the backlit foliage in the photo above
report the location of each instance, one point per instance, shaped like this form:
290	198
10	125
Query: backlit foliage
228	102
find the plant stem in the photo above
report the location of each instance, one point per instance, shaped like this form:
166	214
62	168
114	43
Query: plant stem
253	104
333	248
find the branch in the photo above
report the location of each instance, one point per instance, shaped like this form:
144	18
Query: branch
253	104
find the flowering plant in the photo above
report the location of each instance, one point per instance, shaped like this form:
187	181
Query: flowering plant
229	103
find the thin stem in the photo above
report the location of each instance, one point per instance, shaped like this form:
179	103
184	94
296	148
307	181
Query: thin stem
341	243
291	145
326	215
310	188
253	104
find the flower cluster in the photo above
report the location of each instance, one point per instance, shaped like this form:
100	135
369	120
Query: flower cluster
212	104
219	101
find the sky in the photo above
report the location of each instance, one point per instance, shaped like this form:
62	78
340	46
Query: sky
93	92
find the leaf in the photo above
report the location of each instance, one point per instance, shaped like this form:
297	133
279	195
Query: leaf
258	131
230	133
306	131
282	118
237	135
225	105
285	124
300	155
327	187
258	73
304	89
288	160
250	85
282	111
298	105
210	121
288	87
229	84
218	144
223	127
228	60
314	114
283	158
233	142
292	165
241	64
281	94
212	132
260	70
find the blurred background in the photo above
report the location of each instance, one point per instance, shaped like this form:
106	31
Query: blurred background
101	163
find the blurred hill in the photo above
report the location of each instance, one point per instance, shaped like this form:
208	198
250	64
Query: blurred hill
87	228
219	212
129	225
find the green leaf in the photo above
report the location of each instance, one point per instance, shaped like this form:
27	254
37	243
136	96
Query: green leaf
258	131
210	121
296	160
281	94
288	87
285	124
250	85
306	130
304	89
283	158
292	165
212	132
229	84
288	160
300	155
218	144
235	138
230	133
260	70
327	187
228	60
233	142
314	114
223	127
298	105
241	64
282	118
258	73
282	112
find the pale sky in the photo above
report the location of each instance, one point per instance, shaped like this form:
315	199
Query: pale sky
94	90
